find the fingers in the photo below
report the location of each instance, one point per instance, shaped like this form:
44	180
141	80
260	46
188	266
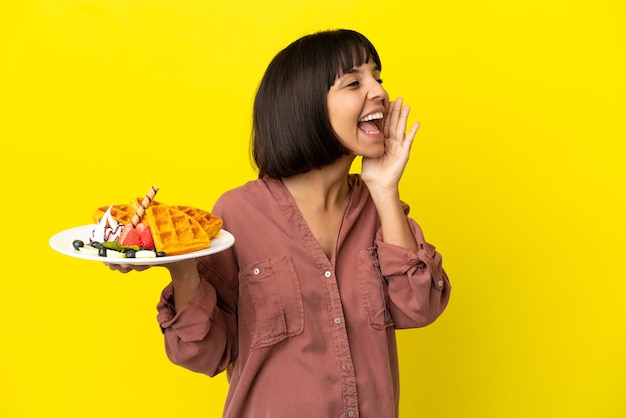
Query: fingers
125	268
401	125
395	123
387	121
408	141
391	121
122	268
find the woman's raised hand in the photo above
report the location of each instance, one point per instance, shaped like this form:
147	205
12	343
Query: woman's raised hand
386	170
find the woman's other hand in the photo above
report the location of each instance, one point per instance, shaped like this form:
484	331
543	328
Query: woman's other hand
386	170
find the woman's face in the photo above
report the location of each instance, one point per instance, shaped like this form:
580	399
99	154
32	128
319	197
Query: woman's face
357	104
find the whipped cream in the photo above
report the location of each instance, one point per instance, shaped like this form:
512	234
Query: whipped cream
107	229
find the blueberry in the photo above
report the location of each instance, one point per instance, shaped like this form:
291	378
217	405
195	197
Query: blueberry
77	244
130	253
102	251
161	254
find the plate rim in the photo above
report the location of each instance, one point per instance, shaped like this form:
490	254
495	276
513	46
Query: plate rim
56	240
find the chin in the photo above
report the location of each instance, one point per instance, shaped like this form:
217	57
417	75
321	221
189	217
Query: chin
374	153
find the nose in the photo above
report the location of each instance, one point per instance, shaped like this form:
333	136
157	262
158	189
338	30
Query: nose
376	90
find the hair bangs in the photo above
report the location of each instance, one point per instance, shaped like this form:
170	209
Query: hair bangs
349	50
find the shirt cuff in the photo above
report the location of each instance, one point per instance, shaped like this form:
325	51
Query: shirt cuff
397	261
193	321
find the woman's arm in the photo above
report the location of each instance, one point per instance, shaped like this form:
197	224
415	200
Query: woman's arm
197	313
185	281
382	176
394	224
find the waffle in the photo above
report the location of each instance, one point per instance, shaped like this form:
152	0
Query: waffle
173	231
209	222
121	213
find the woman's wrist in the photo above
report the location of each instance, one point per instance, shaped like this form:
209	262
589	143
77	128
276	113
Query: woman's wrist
393	220
184	274
185	281
385	197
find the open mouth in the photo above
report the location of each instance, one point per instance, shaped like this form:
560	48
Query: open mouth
372	123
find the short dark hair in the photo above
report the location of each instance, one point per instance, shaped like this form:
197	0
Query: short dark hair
291	129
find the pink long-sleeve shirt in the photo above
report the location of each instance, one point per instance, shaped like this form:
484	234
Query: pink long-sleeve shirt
299	334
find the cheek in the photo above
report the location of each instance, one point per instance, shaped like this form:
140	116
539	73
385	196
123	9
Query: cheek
339	119
343	126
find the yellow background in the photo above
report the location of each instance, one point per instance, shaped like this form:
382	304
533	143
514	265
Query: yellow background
517	175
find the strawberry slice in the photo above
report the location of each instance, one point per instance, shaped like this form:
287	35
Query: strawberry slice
124	232
145	239
131	237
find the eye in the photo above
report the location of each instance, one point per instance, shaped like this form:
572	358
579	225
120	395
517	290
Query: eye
353	84
380	81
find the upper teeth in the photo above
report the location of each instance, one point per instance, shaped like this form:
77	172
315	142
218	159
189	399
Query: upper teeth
377	115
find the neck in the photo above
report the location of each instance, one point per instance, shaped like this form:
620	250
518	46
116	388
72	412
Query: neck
326	187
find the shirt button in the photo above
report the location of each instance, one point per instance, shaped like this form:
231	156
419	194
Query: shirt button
337	321
351	414
440	283
328	274
256	271
345	367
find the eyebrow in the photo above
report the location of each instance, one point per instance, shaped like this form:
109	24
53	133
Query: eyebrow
356	70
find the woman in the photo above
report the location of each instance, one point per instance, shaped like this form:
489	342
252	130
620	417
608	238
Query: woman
302	310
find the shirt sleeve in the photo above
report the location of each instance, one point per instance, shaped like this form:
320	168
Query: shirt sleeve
201	336
418	286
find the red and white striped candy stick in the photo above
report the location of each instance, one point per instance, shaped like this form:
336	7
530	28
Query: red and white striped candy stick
144	205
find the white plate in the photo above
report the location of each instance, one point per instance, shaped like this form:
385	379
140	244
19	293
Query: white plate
62	242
